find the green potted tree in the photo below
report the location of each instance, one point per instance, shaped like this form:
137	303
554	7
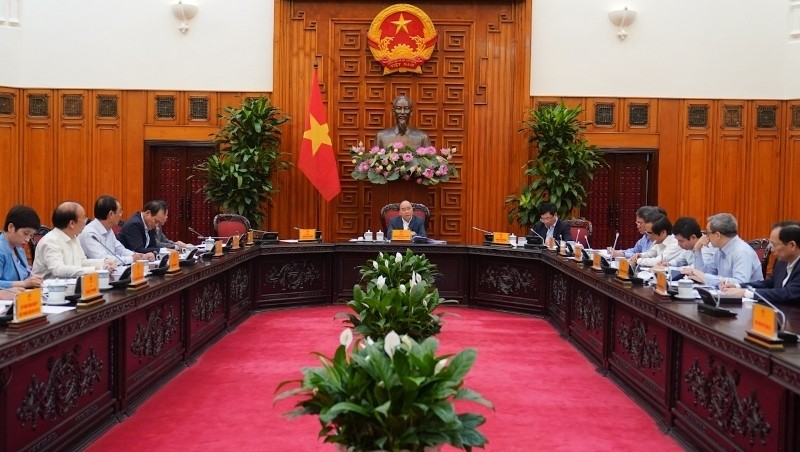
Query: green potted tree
238	179
394	394
564	163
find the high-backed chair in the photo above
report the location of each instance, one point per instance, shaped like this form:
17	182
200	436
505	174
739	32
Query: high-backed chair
392	210
230	224
583	226
35	240
763	250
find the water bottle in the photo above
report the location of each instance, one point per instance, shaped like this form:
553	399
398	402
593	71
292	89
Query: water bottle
379	236
368	236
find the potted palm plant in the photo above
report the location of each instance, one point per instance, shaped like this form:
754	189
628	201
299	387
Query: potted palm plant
238	178
393	394
564	163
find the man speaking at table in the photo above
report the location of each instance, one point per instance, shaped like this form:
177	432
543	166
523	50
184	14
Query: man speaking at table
407	220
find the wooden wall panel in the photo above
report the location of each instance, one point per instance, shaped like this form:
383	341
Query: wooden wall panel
74	168
38	151
10	153
668	160
762	192
107	152
790	162
728	157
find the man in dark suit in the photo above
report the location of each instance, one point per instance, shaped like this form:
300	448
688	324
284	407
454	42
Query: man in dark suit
407	220
783	286
549	225
138	233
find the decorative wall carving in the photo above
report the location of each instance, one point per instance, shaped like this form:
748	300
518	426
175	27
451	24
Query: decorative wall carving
291	276
716	391
588	309
68	380
151	338
506	279
207	302
559	298
644	353
239	284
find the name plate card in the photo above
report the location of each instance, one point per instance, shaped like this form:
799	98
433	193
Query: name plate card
90	286
249	238
174	260
401	235
661	284
550	243
596	261
236	239
624	269
501	238
308	235
765	322
28	305
218	248
578	253
137	273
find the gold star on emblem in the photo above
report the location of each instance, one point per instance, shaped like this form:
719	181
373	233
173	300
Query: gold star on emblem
318	134
401	24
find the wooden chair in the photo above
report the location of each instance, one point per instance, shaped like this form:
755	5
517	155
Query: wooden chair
583	226
763	250
230	224
35	240
392	210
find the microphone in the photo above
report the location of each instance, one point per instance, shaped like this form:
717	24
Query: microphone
785	335
96	239
578	236
199	235
481	230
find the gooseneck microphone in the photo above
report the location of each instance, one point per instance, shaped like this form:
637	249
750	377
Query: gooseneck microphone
199	235
97	239
481	230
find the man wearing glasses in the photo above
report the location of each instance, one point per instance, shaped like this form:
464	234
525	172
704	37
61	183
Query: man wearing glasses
783	286
644	244
549	225
665	245
98	239
734	259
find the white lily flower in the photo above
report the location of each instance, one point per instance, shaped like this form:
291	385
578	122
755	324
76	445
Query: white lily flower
380	282
439	366
402	288
398	257
406	341
391	342
413	281
370	341
346	338
375	264
418	277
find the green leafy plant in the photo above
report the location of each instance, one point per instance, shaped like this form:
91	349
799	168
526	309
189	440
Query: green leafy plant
565	161
398	269
392	394
239	178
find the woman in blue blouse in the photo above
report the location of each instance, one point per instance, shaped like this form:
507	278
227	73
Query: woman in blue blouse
21	224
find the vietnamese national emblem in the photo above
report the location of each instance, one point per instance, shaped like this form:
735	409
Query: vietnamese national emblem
401	38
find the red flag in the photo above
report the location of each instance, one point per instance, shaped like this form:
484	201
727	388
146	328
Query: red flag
317	160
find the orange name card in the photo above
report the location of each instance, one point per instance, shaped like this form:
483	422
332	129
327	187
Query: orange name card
249	237
578	253
764	321
90	285
137	272
550	242
218	248
661	283
501	238
401	235
174	260
236	239
308	235
596	261
28	305
624	269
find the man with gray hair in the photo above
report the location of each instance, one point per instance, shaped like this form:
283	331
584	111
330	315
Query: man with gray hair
734	260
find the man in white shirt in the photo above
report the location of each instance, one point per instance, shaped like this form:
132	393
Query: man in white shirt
687	232
665	246
59	253
98	240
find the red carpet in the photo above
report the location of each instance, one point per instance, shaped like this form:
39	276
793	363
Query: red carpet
547	396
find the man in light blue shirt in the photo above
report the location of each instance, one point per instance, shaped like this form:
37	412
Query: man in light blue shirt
734	261
644	244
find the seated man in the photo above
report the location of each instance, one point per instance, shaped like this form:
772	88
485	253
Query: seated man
407	220
687	231
643	244
734	259
783	286
138	233
549	225
98	240
665	245
59	253
163	241
21	223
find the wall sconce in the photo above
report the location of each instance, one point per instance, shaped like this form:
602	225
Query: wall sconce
622	18
184	11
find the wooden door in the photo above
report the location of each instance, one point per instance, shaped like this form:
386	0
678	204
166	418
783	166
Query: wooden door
615	193
169	167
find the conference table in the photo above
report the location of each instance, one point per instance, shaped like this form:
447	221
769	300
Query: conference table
65	382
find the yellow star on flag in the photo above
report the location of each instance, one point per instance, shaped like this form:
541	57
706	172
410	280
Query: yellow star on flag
401	23
318	134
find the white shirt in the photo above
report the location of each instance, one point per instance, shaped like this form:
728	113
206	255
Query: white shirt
95	250
406	223
667	250
60	256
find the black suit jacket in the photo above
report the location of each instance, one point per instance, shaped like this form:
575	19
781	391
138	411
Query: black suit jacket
416	224
560	231
771	289
133	236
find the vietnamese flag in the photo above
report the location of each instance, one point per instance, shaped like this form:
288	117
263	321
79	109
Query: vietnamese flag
317	160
